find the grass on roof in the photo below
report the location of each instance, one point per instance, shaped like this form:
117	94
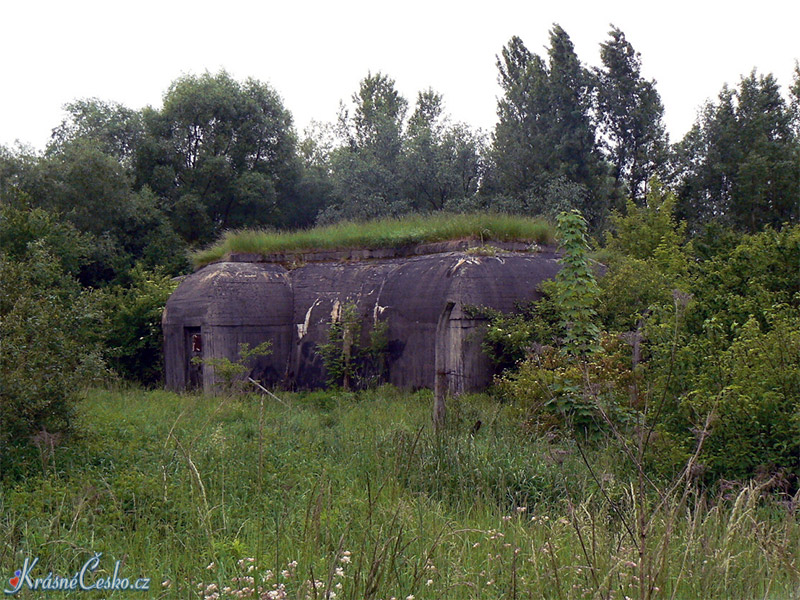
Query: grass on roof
382	233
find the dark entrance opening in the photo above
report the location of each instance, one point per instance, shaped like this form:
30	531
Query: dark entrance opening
193	344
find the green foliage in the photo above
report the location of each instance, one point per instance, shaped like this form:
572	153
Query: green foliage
221	152
113	128
132	333
385	165
753	391
384	233
349	361
575	292
232	375
553	391
510	338
750	278
545	132
48	351
647	257
630	116
441	162
21	229
739	163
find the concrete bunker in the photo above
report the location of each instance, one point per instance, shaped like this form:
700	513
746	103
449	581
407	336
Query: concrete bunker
421	295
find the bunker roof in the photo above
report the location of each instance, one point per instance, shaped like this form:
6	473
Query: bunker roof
386	238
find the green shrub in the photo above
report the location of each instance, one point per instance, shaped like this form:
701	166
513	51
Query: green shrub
753	390
353	358
48	353
132	333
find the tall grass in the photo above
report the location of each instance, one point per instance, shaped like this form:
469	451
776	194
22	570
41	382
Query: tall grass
353	496
381	234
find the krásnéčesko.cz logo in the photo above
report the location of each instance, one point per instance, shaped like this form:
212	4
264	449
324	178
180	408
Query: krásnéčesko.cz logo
84	579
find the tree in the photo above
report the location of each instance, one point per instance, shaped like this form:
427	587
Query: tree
222	153
441	161
545	130
92	190
739	164
519	136
114	129
630	116
794	100
48	346
366	167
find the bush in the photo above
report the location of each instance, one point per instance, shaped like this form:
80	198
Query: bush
48	351
132	333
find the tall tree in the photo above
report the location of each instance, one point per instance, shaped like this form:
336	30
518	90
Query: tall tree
739	163
794	100
441	161
366	168
545	130
519	144
111	127
222	152
630	115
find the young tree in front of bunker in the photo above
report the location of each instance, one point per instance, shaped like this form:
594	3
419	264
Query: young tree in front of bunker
576	289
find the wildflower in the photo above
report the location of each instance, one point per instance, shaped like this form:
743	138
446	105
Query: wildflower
410	597
476	544
522	509
429	582
631	564
506	518
285	574
490	582
210	566
338	586
339	572
345	559
166	583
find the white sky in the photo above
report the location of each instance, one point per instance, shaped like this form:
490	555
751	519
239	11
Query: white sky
315	53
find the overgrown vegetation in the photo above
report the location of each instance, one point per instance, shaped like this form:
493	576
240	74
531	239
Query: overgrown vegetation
383	233
643	438
358	496
354	356
688	346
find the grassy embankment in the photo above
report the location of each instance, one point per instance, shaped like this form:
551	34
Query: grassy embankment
382	233
171	483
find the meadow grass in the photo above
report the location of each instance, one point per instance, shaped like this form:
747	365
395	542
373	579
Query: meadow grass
342	495
383	233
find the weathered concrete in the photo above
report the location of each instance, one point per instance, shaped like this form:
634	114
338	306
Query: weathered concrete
420	298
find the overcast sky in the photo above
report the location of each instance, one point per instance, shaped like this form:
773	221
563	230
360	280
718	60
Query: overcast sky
315	53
